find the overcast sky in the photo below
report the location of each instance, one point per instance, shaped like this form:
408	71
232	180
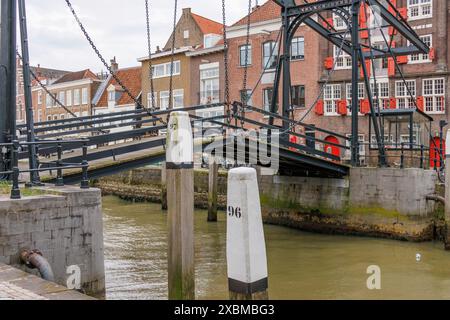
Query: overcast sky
117	26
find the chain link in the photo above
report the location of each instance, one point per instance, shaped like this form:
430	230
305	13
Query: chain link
172	55
150	68
107	66
225	56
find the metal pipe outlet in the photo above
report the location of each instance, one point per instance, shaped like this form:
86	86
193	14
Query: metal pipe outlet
34	259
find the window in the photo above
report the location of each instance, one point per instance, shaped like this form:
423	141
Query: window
434	95
209	85
76	97
84	96
331	95
39	97
339	23
422	57
69	98
270	53
403	94
361	96
186	34
163	70
362	147
298	48
178	99
210	40
267	97
344	60
298	96
62	116
389	141
49	118
246	97
112	96
245	52
150	100
62	97
39	118
383	94
420	9
48	100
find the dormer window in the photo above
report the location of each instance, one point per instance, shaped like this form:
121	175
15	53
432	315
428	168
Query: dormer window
112	96
210	40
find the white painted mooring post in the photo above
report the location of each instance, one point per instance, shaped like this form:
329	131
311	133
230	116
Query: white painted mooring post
447	191
246	248
180	202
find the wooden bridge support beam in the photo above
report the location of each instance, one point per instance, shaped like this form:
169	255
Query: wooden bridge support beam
180	201
212	189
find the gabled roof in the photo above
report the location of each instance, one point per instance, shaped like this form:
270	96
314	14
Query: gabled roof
268	11
131	78
207	26
75	76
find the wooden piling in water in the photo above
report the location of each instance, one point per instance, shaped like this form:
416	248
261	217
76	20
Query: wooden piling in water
163	187
212	189
180	202
246	248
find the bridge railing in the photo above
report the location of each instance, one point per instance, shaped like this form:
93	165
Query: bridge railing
58	165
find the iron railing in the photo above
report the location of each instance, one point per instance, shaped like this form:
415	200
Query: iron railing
58	165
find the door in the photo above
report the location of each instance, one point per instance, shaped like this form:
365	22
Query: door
331	149
435	157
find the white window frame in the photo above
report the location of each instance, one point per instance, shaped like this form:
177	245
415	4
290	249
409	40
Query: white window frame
421	57
338	23
165	67
343	61
361	96
62	97
69	98
402	95
362	146
332	94
419	6
39	97
383	94
298	41
149	100
166	95
431	100
76	97
241	55
84	96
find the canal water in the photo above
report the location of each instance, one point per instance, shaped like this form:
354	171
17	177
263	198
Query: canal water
301	265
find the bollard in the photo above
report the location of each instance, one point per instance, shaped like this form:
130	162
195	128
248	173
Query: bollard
59	176
85	166
246	248
447	192
180	203
212	189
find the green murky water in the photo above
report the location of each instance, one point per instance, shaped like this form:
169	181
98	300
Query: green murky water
301	265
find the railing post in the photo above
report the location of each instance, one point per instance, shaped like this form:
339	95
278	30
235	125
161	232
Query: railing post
15	190
59	178
85	180
422	153
402	157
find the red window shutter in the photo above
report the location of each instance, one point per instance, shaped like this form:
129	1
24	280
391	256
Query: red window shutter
392	103
329	62
342	107
402	59
394	3
391	67
432	54
392	31
403	13
368	68
319	108
421	103
365	106
364	34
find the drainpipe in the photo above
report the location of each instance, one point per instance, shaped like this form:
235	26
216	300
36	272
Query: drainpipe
436	198
34	260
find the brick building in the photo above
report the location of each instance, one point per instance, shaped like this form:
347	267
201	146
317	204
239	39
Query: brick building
75	90
46	76
426	76
313	56
198	66
262	57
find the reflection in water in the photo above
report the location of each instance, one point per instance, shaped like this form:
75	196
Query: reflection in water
301	265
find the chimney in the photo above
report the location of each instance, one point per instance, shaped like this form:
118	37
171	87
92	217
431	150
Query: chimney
114	65
186	11
158	49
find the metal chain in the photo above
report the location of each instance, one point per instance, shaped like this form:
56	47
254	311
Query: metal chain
172	56
108	67
150	68
247	44
225	56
